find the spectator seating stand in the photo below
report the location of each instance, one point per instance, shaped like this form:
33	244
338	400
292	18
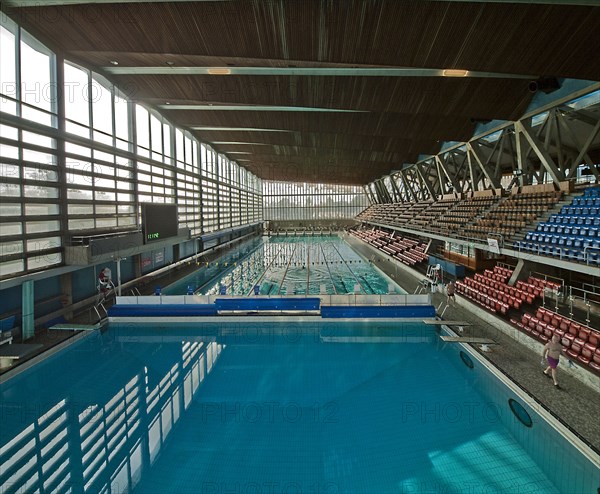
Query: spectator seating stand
404	249
572	234
581	343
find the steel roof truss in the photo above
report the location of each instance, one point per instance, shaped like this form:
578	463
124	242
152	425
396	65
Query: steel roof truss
540	150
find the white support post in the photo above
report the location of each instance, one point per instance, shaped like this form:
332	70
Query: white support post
119	276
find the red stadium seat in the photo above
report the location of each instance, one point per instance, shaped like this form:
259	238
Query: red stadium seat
594	338
548	333
586	355
574	350
584	334
595	362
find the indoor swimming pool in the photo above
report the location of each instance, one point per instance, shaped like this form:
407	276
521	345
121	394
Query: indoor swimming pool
282	265
240	406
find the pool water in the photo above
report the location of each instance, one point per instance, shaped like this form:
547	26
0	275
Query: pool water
278	265
253	407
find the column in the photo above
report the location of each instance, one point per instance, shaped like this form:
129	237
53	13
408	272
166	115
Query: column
27	310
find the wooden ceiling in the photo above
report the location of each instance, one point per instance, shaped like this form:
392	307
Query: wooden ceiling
393	118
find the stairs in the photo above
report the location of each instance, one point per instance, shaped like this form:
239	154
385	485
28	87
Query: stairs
543	218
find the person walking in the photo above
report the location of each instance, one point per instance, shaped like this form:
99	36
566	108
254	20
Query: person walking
551	354
450	292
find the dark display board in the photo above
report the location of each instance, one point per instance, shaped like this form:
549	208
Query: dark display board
159	221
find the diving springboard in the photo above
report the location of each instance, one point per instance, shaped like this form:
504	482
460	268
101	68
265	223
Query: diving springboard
76	327
467	339
17	351
446	323
374	339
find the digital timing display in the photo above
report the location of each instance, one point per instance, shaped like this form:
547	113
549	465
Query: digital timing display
159	221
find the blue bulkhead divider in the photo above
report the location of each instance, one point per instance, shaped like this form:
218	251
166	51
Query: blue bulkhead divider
126	310
359	311
258	304
7	323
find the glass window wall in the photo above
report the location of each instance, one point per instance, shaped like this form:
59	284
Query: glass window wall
311	201
88	173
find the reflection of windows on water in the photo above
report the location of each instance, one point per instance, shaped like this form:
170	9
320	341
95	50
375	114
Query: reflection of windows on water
112	442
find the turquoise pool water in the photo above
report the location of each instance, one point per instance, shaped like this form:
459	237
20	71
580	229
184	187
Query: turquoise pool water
254	407
288	266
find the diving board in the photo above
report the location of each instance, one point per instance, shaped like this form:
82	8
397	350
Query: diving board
374	339
467	339
446	323
76	327
17	351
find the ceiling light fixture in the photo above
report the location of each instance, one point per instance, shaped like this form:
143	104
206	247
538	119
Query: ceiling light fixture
455	73
219	71
170	63
114	62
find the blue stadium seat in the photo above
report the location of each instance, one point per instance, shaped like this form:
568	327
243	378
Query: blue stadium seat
568	233
572	254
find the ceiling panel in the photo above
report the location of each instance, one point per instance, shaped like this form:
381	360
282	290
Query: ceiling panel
396	119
